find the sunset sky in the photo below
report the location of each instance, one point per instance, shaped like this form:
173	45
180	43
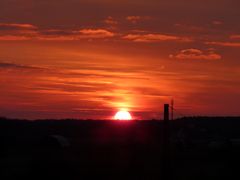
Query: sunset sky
87	59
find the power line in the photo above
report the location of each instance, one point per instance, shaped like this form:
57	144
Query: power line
177	111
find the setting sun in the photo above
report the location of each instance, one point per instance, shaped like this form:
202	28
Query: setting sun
123	115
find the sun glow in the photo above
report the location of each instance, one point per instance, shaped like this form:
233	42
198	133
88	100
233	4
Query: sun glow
123	115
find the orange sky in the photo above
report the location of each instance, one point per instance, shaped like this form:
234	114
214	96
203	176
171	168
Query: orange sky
87	58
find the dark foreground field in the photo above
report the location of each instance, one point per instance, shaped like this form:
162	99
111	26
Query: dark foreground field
197	148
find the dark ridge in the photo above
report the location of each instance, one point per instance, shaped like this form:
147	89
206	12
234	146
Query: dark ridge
196	148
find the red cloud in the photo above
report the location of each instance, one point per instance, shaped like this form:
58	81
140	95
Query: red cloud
13	38
110	21
56	38
235	36
196	54
233	43
19	32
16	26
191	28
217	22
154	38
57	35
96	33
225	44
135	19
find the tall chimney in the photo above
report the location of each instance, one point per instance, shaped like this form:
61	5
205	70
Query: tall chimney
166	112
166	148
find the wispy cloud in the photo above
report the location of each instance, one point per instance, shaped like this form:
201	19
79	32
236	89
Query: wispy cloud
96	33
14	26
14	38
110	21
235	36
225	44
9	65
74	35
190	28
155	38
232	41
217	22
20	32
196	54
136	19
